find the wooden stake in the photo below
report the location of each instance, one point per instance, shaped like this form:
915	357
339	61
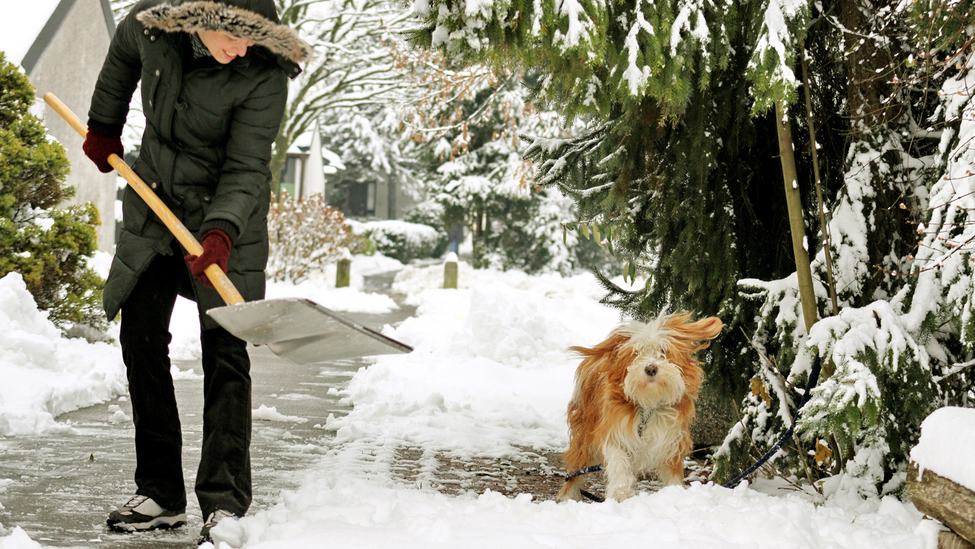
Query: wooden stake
343	273
450	272
807	295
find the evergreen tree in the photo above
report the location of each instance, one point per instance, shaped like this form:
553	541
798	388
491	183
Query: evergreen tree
477	173
894	352
43	243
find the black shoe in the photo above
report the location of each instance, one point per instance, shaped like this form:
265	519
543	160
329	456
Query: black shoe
212	521
142	513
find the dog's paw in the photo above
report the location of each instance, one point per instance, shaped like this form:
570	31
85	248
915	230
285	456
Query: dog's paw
619	493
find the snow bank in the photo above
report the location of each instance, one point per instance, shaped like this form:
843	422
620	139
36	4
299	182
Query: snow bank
342	512
489	371
43	373
947	445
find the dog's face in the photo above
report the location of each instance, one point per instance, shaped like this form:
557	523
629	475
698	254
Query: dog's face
660	367
653	380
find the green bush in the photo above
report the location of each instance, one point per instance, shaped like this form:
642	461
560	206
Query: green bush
432	214
43	243
405	241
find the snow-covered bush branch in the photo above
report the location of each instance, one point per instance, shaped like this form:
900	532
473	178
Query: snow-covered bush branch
306	235
402	240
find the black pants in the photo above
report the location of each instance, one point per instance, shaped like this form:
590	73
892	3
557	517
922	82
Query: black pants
223	480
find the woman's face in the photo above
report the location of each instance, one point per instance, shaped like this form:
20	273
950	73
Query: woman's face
224	46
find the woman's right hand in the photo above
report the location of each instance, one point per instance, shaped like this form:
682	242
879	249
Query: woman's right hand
99	147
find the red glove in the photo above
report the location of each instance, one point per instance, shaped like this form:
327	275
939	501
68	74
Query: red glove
216	249
99	147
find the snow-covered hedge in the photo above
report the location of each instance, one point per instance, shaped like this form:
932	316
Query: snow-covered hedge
45	374
402	240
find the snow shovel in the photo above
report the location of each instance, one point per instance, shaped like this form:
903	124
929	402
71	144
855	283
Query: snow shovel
297	329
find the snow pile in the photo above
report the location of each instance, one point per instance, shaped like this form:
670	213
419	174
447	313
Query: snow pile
489	372
341	512
271	413
413	279
18	539
395	236
947	445
43	373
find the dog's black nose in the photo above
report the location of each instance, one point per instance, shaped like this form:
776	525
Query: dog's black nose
651	370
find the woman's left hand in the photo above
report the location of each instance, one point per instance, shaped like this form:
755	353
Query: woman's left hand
216	249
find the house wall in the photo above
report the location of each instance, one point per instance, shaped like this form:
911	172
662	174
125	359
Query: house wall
69	68
391	201
313	181
385	204
404	201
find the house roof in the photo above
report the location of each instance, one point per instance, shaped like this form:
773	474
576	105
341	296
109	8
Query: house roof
27	28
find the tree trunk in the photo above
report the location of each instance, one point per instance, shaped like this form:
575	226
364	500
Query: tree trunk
945	500
950	540
278	156
807	295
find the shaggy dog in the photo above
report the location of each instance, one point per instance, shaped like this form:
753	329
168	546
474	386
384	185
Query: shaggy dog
634	401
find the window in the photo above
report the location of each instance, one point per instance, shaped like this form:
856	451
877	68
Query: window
362	199
290	175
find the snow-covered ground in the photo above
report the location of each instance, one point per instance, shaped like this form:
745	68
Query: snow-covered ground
489	375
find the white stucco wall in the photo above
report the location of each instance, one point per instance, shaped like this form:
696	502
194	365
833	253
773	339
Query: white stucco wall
68	69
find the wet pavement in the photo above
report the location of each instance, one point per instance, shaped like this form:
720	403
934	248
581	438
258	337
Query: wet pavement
59	488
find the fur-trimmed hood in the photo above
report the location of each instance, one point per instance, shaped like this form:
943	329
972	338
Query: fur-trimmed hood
255	22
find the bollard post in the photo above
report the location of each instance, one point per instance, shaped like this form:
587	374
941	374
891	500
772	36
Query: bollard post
450	272
343	273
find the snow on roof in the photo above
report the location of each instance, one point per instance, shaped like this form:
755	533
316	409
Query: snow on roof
20	24
947	445
301	143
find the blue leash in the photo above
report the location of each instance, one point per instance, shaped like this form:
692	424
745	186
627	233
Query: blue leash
813	379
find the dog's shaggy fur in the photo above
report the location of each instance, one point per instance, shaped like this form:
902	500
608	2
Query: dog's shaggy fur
206	15
634	402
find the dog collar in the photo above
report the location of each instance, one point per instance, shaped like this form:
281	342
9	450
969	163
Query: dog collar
644	418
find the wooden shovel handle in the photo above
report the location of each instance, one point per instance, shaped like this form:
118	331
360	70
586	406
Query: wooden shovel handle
221	283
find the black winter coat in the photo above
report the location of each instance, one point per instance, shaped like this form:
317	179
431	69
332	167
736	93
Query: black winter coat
207	145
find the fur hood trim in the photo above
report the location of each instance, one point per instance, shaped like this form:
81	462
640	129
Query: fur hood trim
206	15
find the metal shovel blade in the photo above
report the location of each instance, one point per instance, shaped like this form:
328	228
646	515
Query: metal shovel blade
303	331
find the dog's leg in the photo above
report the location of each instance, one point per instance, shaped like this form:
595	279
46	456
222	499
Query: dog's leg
572	489
577	457
620	478
672	472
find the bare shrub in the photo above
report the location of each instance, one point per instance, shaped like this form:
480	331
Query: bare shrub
305	235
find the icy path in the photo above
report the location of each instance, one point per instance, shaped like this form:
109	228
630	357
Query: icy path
59	487
62	486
